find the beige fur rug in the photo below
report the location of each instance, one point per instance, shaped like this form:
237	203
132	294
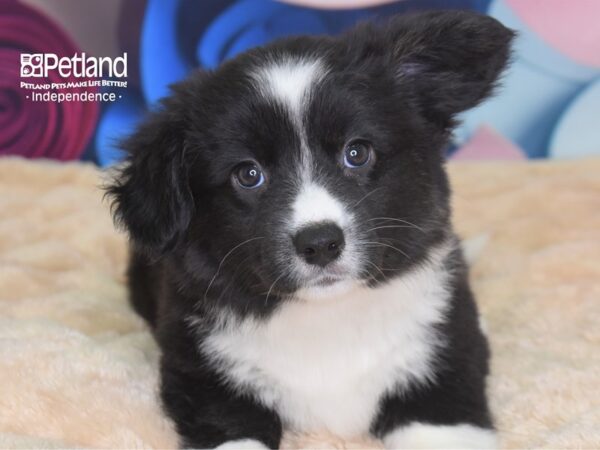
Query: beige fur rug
78	368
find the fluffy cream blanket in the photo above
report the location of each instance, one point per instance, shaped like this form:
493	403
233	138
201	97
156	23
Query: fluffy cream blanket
78	367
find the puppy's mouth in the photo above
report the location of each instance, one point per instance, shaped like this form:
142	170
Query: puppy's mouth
324	286
326	280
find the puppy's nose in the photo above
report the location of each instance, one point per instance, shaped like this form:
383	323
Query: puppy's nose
319	244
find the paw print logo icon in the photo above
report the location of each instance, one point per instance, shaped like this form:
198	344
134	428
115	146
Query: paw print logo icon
32	65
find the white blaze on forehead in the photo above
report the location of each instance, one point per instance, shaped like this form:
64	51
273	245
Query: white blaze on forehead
290	82
315	204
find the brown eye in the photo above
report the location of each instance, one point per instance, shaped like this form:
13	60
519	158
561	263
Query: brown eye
357	154
249	175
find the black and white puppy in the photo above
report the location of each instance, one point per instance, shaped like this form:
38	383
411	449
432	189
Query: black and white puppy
292	245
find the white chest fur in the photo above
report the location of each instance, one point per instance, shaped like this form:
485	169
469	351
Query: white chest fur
325	364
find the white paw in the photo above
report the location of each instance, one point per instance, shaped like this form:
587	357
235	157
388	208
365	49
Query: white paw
421	435
242	444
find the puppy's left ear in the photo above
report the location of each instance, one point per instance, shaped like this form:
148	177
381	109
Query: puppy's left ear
150	194
448	61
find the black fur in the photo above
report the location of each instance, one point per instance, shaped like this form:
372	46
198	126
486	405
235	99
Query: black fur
398	85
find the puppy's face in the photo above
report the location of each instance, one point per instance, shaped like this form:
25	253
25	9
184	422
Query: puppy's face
323	174
313	164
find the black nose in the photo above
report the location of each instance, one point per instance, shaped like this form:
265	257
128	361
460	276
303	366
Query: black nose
319	244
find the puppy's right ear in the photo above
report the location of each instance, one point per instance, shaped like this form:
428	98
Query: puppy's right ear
151	197
444	62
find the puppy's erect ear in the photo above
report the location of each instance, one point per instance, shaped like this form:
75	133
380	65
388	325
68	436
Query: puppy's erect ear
151	195
447	60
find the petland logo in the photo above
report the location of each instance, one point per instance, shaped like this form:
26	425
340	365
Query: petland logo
39	65
79	78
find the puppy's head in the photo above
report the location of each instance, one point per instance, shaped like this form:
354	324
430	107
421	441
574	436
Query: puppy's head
312	164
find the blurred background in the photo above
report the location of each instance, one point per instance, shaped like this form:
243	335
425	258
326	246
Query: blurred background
549	106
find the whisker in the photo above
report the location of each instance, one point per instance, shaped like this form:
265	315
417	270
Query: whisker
386	245
391	226
395	219
377	267
365	196
272	286
238	277
223	261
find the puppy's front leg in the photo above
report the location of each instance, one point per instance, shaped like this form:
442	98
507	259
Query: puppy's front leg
448	413
209	414
417	435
